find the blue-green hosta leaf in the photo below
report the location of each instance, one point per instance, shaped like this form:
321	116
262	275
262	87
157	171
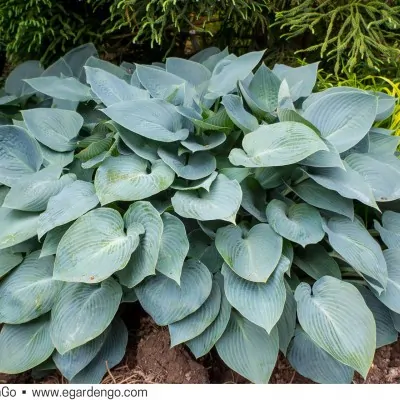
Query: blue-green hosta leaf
285	100
396	320
361	147
343	118
190	71
141	146
272	177
153	119
29	290
110	89
81	173
300	223
173	248
252	102
380	171
19	154
315	261
239	116
106	66
238	174
254	199
51	157
7	100
204	143
391	296
54	128
210	227
381	141
15	82
95	247
193	166
212	259
221	202
52	240
264	88
348	183
82	312
3	193
390	231
61	88
17	226
144	259
214	59
204	183
72	202
386	104
348	333
246	253
203	343
248	349
128	295
30	343
33	192
301	80
260	303
97	160
75	360
316	364
287	322
385	330
205	54
160	84
218	121
77	58
196	323
278	144
26	246
8	261
199	241
125	178
167	302
229	71
358	248
110	355
320	197
288	252
323	158
289	115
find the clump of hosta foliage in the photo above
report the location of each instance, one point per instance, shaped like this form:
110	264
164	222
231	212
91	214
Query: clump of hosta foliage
242	210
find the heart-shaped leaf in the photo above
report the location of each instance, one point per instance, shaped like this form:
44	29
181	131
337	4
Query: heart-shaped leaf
346	333
246	252
82	312
300	223
95	246
183	299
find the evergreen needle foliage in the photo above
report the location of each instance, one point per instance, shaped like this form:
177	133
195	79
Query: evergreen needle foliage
354	31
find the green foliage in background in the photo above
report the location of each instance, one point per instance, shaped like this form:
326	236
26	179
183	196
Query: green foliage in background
237	206
159	21
348	35
30	29
346	32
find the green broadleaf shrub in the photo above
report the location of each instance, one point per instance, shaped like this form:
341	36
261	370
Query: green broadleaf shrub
239	208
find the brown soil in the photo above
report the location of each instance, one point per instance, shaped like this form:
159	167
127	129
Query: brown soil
149	359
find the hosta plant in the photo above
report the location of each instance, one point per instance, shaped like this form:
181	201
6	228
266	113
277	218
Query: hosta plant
239	208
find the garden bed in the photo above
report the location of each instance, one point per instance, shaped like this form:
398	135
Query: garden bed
149	359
